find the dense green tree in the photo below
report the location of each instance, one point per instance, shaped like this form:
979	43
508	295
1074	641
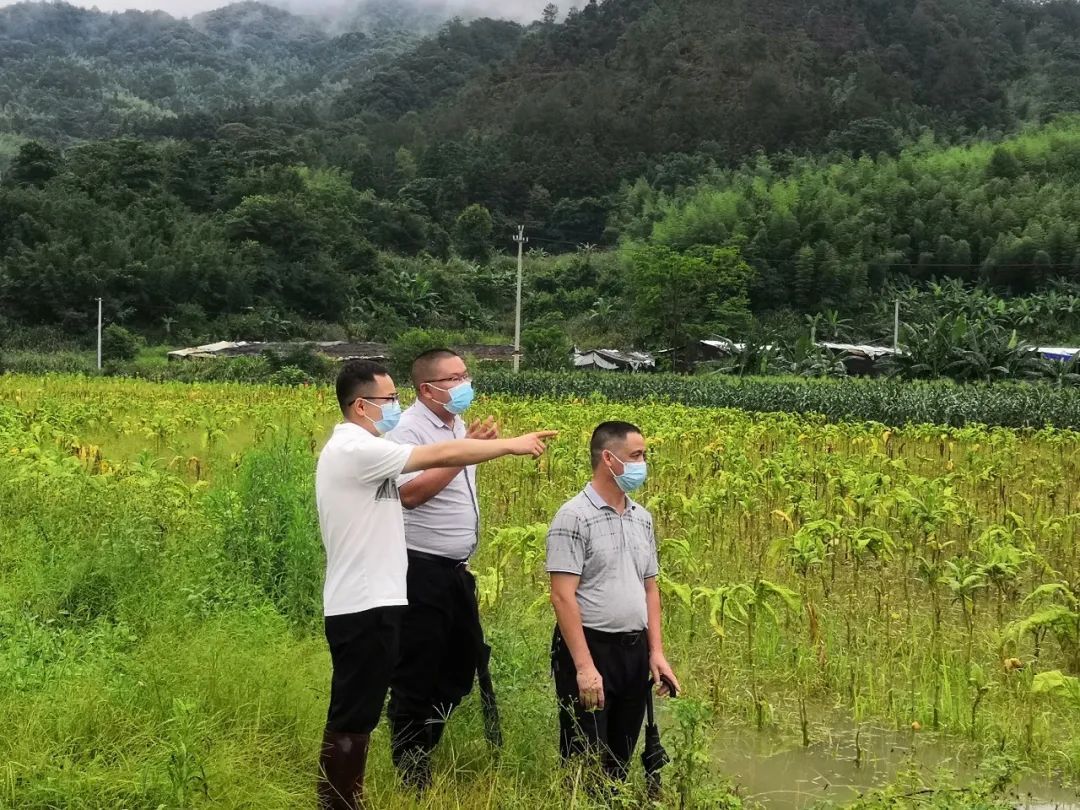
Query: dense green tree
546	348
472	234
35	165
683	297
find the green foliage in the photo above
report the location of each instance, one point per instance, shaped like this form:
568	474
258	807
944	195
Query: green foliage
545	348
286	176
305	359
683	297
883	401
472	234
829	235
980	352
194	592
117	343
35	165
409	345
1056	683
1058	616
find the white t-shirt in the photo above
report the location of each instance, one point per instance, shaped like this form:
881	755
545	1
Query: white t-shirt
361	521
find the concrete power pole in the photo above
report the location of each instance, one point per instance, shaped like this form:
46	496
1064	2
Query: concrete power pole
896	327
99	334
521	240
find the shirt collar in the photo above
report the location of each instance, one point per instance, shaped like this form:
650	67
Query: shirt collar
433	417
346	425
600	503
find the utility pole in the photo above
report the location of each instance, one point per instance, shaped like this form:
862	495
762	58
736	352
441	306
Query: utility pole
896	327
99	334
521	240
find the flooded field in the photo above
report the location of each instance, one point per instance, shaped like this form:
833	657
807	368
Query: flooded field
778	772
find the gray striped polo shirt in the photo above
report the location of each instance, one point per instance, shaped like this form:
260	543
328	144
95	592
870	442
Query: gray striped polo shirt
613	554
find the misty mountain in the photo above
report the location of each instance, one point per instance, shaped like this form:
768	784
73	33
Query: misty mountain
251	28
544	120
68	73
379	17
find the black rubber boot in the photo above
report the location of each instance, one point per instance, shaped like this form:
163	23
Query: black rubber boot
341	770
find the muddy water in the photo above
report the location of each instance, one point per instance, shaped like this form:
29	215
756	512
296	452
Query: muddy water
779	773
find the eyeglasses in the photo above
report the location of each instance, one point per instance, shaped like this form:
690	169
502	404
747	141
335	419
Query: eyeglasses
457	378
391	398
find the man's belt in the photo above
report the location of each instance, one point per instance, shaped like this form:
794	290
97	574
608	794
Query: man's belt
630	639
446	562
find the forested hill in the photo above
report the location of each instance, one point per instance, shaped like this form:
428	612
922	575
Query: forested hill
543	121
249	172
70	74
624	83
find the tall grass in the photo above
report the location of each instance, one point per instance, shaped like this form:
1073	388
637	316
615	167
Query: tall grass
160	574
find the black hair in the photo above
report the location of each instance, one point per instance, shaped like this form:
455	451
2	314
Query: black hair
421	366
605	435
355	376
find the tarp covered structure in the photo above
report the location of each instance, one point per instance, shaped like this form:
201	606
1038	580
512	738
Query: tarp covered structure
336	349
613	360
1062	353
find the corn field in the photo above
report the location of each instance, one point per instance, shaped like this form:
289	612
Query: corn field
888	401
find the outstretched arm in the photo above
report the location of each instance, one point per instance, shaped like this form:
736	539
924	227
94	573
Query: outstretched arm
463	452
421	489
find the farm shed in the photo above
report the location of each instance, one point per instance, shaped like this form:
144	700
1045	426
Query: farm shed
860	359
337	350
613	360
1062	353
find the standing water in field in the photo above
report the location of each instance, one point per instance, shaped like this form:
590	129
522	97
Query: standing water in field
774	770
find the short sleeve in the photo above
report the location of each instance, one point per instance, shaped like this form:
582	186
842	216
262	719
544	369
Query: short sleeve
406	434
378	459
565	544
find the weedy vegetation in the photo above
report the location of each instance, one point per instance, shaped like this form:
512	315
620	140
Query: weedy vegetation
160	576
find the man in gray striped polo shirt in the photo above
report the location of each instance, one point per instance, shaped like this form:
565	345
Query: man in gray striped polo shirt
601	555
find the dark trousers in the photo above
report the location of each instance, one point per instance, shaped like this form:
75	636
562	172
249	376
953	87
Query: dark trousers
364	652
612	732
441	639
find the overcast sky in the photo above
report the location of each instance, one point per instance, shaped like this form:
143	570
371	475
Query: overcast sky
516	9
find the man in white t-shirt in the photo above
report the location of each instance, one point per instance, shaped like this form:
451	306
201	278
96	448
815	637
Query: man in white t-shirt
363	532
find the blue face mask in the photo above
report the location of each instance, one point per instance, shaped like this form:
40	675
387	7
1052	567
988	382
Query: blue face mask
461	397
633	476
390	415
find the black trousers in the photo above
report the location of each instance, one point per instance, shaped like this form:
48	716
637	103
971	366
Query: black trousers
364	651
610	733
441	640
